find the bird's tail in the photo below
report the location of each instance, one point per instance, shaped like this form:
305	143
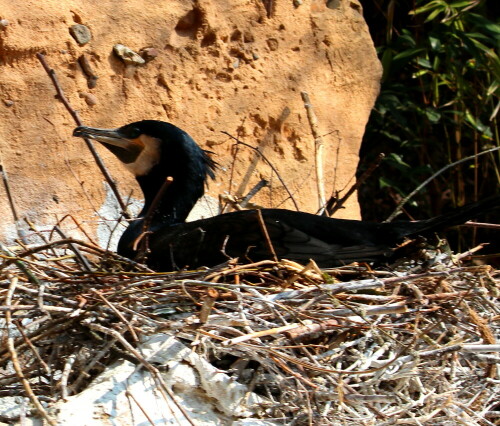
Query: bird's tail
454	217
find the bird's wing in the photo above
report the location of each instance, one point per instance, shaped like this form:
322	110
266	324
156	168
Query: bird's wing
215	240
290	242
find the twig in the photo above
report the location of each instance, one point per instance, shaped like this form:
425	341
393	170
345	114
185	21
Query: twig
117	312
369	284
45	309
261	333
148	366
85	372
76	117
481	225
51	327
218	273
243	202
21	265
333	205
419	187
67	241
305	332
263	228
144	412
78	225
68	365
335	192
34	350
470	252
12	205
318	150
373	339
261	184
156	201
41	291
234	154
481	348
394	308
143	238
298	376
208	304
15	361
258	151
81	258
42	236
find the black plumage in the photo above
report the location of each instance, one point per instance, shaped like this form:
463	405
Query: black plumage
155	150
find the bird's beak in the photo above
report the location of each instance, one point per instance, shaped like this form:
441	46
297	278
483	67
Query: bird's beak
127	150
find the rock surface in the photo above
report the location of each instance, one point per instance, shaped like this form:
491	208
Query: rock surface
229	65
80	33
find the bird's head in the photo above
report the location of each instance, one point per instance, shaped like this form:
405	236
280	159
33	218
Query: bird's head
153	151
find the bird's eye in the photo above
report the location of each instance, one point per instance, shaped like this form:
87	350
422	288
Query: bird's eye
131	132
135	132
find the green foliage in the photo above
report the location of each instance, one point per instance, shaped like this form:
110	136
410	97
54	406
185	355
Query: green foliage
439	103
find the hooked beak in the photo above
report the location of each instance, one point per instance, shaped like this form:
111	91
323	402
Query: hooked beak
127	150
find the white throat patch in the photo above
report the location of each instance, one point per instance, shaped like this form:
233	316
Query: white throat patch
148	158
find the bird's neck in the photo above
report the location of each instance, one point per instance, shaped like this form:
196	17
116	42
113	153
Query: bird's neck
168	203
161	212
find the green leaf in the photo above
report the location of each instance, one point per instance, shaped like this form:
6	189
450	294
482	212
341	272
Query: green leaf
484	24
408	54
385	183
407	37
443	87
460	4
387	59
439	4
480	36
433	115
476	123
424	62
433	15
397	160
420	73
436	63
480	45
493	88
435	43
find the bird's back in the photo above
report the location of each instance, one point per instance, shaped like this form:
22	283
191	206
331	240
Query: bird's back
293	235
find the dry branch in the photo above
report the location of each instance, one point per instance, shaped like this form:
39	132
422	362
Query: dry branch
347	343
76	117
261	155
333	204
318	150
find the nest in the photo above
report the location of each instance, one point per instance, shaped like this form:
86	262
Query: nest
411	344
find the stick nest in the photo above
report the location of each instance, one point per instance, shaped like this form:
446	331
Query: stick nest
410	344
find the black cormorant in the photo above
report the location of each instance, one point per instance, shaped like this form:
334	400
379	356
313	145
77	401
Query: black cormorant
154	151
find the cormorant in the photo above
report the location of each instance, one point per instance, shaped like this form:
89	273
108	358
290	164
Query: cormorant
154	151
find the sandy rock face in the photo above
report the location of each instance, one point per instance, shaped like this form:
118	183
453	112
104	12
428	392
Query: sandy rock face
209	66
